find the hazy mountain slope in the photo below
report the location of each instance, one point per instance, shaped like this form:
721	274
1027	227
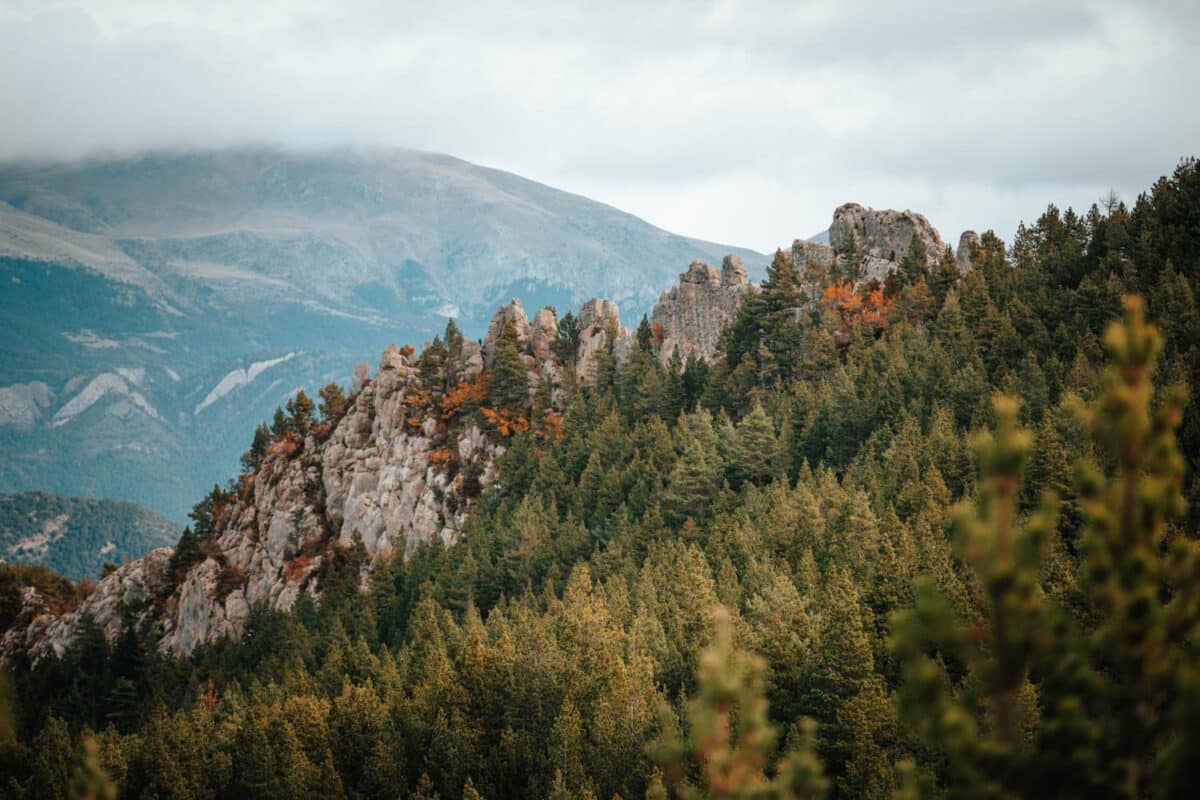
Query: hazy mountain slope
75	537
154	309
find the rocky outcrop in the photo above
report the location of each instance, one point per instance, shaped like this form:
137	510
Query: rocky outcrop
880	238
804	251
689	317
543	335
510	312
968	246
377	476
131	588
600	326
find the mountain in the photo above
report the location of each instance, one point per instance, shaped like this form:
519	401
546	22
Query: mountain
74	536
155	309
791	533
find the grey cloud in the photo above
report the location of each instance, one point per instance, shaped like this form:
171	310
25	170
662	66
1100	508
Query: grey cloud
663	108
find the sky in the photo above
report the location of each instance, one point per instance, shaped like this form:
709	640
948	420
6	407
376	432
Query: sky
740	122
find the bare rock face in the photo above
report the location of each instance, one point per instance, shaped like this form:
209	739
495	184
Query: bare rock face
379	481
881	238
472	355
689	317
968	245
133	585
733	271
509	312
544	332
804	251
600	326
375	477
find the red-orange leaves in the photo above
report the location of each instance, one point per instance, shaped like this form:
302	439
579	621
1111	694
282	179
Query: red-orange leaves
853	309
505	424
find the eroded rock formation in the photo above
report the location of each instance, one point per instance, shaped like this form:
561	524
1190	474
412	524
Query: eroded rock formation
689	316
377	477
600	326
881	238
968	245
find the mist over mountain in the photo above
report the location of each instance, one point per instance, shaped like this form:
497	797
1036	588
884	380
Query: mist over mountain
155	308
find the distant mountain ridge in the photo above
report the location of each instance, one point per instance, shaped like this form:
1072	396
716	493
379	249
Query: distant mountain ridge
154	309
75	536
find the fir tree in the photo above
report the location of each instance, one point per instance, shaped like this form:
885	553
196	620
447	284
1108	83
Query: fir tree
914	268
510	381
730	739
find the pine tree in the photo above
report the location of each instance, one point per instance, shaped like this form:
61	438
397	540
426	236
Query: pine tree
1143	581
279	423
89	780
914	268
566	346
187	552
510	381
692	485
252	459
945	276
983	759
644	335
301	410
53	759
730	740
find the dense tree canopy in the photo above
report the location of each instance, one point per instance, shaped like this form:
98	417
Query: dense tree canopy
801	570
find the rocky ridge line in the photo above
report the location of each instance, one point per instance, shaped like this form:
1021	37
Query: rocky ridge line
880	239
377	477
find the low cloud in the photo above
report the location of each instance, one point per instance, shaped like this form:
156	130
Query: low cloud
741	122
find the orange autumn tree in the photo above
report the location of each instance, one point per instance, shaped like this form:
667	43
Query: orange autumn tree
841	298
504	423
463	396
551	427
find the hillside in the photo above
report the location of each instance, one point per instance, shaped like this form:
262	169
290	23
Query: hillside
934	532
156	309
75	537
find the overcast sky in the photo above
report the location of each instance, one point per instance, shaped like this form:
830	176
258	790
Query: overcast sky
740	122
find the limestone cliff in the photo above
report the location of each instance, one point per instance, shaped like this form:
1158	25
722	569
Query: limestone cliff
378	474
877	241
689	317
398	469
597	327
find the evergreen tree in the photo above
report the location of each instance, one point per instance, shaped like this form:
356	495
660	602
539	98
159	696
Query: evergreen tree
333	402
944	278
279	423
252	459
510	381
983	759
301	411
914	267
187	552
730	739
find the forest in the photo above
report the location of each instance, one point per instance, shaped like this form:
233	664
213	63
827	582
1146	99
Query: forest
931	538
